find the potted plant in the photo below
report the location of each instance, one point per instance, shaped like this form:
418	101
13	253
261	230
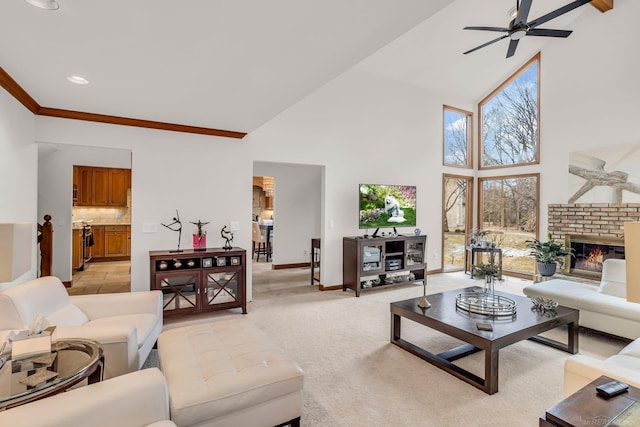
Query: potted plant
548	254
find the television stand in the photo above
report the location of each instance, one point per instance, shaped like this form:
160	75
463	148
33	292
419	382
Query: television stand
377	262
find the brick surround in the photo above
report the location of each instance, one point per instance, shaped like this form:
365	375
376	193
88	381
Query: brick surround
591	219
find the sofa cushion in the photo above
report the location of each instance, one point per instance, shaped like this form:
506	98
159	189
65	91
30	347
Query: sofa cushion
143	322
45	296
627	361
614	277
565	292
69	315
613	306
9	316
632	349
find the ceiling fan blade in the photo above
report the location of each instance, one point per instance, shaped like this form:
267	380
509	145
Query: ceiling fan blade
523	12
498	29
513	44
541	32
486	44
561	11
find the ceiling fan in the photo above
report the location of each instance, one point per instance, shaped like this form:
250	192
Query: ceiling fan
519	27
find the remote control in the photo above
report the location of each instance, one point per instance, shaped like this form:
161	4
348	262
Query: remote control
612	388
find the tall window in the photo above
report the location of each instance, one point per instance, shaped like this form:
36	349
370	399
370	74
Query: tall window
457	137
509	120
509	206
456	219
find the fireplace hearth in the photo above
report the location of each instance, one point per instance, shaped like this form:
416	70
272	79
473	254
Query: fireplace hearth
590	252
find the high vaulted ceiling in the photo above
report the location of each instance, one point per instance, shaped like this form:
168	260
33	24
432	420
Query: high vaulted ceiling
236	64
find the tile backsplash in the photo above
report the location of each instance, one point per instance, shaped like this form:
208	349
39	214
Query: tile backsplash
103	215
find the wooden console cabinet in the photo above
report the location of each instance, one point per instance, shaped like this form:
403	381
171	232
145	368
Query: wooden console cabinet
376	262
197	281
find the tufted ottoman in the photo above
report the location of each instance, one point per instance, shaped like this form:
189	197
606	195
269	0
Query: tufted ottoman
228	373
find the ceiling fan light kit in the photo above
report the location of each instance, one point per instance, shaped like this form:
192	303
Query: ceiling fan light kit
44	4
519	27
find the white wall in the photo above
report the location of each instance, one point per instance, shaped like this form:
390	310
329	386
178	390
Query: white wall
363	128
55	180
18	171
297	213
205	178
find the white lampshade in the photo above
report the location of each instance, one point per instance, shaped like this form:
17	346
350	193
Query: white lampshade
15	250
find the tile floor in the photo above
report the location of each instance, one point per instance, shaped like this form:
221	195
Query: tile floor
101	278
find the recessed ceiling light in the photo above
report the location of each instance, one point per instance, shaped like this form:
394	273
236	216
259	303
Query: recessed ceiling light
78	80
44	4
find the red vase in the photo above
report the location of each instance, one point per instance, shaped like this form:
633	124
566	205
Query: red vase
200	242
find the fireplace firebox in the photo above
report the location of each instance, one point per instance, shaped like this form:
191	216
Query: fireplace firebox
590	252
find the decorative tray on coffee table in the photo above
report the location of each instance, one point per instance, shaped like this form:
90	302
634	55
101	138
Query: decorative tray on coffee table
486	303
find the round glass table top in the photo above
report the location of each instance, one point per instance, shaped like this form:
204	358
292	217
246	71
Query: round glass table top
68	361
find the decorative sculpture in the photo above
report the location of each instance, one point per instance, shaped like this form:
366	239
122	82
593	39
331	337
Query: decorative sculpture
424	304
200	238
176	225
228	237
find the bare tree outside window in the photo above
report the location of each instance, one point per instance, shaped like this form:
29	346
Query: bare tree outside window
456	203
509	119
509	205
457	137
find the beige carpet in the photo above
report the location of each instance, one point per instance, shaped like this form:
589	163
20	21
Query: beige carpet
355	377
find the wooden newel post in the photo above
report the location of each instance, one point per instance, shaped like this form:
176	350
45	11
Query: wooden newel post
45	239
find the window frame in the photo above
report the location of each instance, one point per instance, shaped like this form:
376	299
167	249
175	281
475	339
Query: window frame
479	212
504	84
469	115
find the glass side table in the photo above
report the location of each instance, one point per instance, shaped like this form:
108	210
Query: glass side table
70	362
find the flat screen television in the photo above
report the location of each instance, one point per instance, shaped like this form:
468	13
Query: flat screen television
387	206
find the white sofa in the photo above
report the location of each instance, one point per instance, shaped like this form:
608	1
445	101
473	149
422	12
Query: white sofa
604	308
580	370
126	324
133	400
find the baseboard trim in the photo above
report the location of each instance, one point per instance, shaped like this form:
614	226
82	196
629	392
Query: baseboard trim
330	288
111	258
67	284
285	266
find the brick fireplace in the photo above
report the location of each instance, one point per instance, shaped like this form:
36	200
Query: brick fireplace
594	230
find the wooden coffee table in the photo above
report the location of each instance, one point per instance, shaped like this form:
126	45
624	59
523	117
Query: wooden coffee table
586	408
444	316
74	360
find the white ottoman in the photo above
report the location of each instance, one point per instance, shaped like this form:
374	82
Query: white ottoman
228	373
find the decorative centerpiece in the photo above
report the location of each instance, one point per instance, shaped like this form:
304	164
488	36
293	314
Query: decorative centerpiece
200	237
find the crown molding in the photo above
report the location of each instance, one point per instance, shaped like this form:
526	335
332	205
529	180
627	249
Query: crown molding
15	90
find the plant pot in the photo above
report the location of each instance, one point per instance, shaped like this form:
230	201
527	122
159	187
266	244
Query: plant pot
547	269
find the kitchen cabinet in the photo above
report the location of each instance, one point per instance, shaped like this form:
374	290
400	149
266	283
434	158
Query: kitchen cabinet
111	241
98	241
76	245
96	186
128	240
115	241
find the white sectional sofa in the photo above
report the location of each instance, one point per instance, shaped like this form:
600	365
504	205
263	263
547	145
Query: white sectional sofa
136	399
604	308
580	370
126	324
